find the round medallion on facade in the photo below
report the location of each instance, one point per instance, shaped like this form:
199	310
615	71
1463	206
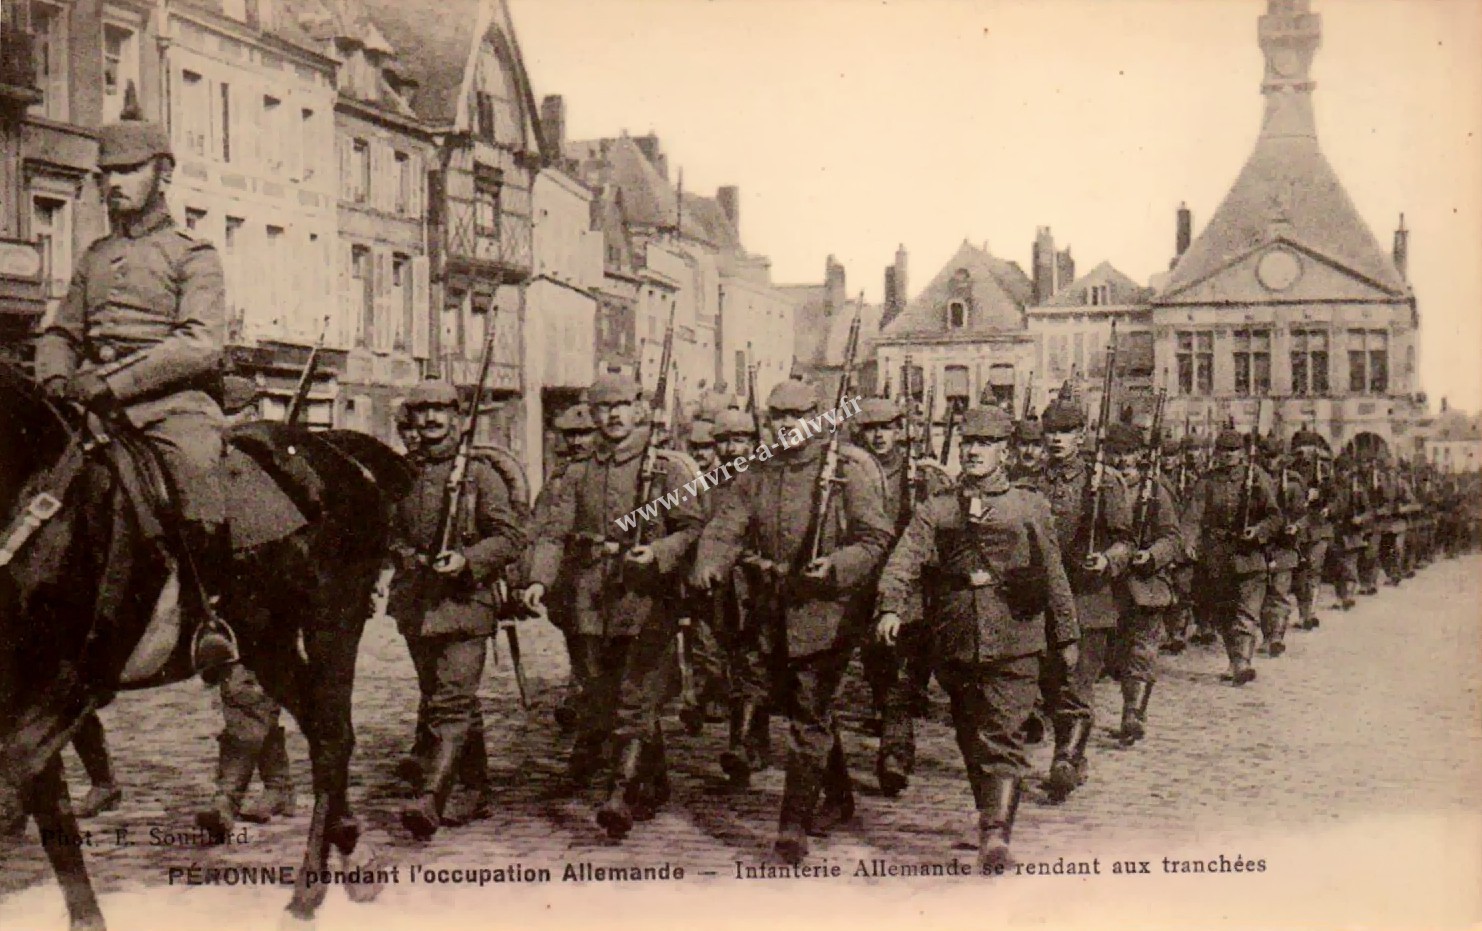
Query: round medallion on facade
1279	269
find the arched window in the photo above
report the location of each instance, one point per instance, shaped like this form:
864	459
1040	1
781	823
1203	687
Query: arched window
956	314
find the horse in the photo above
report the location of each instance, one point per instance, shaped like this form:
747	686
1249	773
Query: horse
81	591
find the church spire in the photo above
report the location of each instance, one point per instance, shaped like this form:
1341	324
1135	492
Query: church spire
1290	34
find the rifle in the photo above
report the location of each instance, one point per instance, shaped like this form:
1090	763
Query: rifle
649	471
1098	456
306	379
947	436
828	474
751	389
1143	515
908	473
930	418
1248	484
1028	398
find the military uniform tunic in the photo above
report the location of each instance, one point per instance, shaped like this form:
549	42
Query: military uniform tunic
1283	554
1234	576
146	312
1002	596
1149	592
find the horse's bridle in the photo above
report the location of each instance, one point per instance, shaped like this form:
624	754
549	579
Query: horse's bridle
47	503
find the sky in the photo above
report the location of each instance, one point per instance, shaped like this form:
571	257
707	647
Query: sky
855	126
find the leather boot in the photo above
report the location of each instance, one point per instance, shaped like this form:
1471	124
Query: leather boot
838	794
734	760
1242	652
92	748
1134	710
799	795
473	773
759	740
616	814
1068	770
654	788
277	781
234	766
424	816
585	761
215	644
996	822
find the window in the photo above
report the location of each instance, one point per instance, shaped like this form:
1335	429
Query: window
226	122
955	383
307	132
403	182
272	135
956	314
1098	295
360	171
1195	363
488	193
360	271
1252	357
194	217
1056	360
233	229
485	116
49	25
51	227
193	113
279	293
1309	362
401	297
1368	361
120	68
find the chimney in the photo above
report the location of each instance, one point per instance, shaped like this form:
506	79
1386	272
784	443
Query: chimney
891	298
1044	265
1402	249
1064	270
1185	231
902	290
729	198
833	283
553	120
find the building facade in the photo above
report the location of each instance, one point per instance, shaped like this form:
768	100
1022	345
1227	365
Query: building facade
1286	295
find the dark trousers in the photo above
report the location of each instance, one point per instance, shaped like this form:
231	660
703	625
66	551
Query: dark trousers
989	702
1392	555
1276	605
1237	606
1347	576
1309	573
449	672
1140	634
647	680
1069	693
1368	563
602	660
807	693
898	677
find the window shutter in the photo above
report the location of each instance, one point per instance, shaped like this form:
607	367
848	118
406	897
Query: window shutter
348	326
422	315
385	322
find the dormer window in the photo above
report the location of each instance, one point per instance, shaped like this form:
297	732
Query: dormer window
957	314
1098	295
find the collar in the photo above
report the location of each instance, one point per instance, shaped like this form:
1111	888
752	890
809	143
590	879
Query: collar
892	460
804	454
630	448
1066	470
148	221
995	483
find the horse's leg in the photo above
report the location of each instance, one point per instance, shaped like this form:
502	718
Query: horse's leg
50	806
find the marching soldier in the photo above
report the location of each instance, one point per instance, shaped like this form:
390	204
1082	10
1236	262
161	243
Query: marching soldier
1395	488
898	673
625	623
142	332
1159	549
706	657
1027	454
988	548
810	610
1232	513
749	642
576	437
1179	476
1283	552
1351	511
1310	452
1066	482
406	429
1380	513
444	607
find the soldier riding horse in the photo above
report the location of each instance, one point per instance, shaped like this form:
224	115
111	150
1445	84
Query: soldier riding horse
90	603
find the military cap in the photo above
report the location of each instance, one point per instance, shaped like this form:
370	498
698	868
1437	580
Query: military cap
733	423
1062	417
793	397
1230	439
131	142
1029	430
613	389
433	394
1122	438
986	423
1272	446
401	414
875	411
1171	446
575	419
237	393
1190	443
702	432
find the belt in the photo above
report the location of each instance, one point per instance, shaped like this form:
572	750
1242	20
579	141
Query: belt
950	581
106	352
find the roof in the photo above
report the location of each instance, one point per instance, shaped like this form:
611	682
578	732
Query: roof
821	332
1453	426
648	199
1121	289
999	292
282	27
1287	190
328	20
434	51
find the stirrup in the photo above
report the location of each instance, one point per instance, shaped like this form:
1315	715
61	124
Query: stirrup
213	647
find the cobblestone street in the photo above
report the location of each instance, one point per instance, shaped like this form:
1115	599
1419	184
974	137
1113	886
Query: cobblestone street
1371	720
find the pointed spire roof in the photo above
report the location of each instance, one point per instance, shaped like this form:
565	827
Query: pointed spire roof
1287	190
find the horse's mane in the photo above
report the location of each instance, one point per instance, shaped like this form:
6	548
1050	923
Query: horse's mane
33	432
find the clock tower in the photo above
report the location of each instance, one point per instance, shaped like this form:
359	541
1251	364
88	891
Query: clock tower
1289	34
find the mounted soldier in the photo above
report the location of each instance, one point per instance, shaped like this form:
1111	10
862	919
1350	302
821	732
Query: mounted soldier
141	334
